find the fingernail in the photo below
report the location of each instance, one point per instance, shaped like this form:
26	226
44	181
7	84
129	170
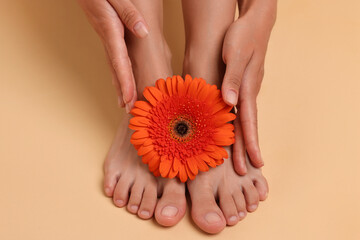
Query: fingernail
253	207
169	211
212	218
242	214
145	213
231	97
141	30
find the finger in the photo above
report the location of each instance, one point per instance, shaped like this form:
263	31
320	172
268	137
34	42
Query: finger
120	61
131	17
239	152
232	80
248	109
115	82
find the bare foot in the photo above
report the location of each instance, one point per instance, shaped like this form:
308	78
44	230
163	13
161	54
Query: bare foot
127	180
236	195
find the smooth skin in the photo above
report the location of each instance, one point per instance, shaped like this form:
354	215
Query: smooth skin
244	50
236	195
127	179
109	18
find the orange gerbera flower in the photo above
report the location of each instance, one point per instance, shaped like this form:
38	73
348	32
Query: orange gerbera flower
182	129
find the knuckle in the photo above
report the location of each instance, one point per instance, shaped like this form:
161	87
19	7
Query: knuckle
234	80
128	15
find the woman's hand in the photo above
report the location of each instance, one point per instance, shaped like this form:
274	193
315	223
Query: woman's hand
108	17
244	52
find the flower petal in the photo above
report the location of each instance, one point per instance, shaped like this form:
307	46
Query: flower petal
180	86
191	163
222	119
145	106
145	149
165	167
140	134
182	173
168	86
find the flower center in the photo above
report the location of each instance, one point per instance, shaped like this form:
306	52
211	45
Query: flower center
181	128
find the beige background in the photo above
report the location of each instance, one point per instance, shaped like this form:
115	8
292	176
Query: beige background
58	116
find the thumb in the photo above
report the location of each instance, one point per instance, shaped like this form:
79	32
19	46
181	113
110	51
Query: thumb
232	81
130	17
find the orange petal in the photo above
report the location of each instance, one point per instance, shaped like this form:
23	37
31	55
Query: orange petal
156	172
187	82
147	94
138	141
192	92
154	163
150	155
222	119
189	173
191	163
222	152
218	107
145	149
161	85
204	92
176	164
174	85
219	161
145	106
180	86
168	86
156	93
172	173
224	142
202	166
182	173
133	127
229	127
140	121
210	155
165	167
139	112
140	134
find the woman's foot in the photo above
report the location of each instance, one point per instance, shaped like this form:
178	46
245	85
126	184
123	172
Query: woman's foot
127	180
236	195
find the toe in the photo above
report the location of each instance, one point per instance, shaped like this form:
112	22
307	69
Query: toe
110	180
121	193
148	202
262	187
239	200
205	212
172	204
135	197
251	197
228	207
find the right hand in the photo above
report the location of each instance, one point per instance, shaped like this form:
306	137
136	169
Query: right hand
108	17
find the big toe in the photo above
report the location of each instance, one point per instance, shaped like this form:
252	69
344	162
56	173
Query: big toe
172	204
205	212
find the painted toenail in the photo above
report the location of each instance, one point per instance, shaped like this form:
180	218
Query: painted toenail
212	218
134	208
253	207
241	214
232	218
169	211
145	213
120	202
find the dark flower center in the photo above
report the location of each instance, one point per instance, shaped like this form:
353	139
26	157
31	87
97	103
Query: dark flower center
181	128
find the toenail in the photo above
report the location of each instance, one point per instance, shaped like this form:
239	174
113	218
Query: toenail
169	211
134	207
108	191
120	202
242	214
232	218
145	213
212	217
253	207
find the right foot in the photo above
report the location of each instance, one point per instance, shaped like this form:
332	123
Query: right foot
127	180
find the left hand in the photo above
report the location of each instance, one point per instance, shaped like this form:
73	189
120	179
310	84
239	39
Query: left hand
244	52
